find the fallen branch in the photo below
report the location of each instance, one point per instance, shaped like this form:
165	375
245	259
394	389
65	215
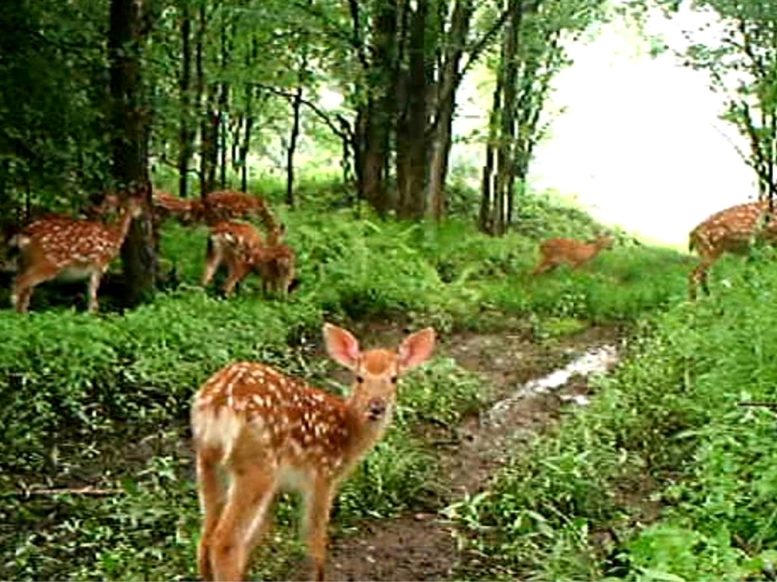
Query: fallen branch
771	404
72	491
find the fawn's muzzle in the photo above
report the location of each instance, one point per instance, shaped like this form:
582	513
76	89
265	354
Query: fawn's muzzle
376	409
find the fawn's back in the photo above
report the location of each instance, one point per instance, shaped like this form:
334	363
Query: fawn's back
732	230
239	239
293	428
564	251
65	241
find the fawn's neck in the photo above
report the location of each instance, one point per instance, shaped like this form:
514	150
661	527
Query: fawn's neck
123	224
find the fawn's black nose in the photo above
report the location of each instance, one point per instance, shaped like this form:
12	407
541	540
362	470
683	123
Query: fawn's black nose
376	408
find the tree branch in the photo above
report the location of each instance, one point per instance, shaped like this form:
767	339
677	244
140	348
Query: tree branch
320	113
477	48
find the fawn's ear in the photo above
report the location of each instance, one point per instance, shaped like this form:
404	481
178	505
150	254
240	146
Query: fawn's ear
343	348
416	348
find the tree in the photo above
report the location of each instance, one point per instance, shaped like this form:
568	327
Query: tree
742	66
129	26
533	51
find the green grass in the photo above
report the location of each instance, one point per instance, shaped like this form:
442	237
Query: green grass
104	400
664	476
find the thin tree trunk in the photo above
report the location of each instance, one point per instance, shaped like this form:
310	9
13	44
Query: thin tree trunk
450	79
185	132
200	85
296	111
504	155
485	221
209	135
223	109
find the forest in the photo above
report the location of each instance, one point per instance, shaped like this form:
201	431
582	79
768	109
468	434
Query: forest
209	207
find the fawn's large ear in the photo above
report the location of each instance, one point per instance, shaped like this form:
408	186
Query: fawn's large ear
416	348
343	348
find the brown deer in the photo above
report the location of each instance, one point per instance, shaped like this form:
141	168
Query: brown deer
732	231
574	253
61	247
166	206
269	432
242	248
229	205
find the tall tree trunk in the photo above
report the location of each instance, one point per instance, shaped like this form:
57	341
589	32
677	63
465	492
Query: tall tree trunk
202	24
245	146
488	194
296	110
223	109
209	135
450	79
411	124
129	142
185	132
504	153
381	106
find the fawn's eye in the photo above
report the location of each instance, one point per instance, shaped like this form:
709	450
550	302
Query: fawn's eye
393	379
360	379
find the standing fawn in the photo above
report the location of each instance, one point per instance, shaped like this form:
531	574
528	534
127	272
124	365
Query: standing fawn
729	231
558	251
269	432
242	248
66	248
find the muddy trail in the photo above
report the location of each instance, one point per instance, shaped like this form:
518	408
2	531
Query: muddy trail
529	389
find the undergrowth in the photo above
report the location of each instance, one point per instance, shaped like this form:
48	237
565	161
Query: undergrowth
103	401
665	476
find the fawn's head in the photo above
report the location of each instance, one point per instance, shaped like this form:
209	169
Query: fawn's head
604	241
134	206
376	371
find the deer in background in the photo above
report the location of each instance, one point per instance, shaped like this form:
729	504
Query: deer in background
229	205
732	230
60	247
269	432
166	206
574	253
242	248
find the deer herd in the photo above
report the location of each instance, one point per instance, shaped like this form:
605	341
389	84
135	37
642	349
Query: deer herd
61	247
255	430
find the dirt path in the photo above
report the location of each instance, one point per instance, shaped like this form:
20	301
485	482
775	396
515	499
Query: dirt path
423	546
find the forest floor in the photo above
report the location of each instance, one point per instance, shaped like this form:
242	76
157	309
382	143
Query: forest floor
424	545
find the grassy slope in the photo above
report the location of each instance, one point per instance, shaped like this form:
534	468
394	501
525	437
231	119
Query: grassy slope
104	401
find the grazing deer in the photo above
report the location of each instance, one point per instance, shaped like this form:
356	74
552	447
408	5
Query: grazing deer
166	206
242	248
228	205
61	247
732	231
558	251
268	432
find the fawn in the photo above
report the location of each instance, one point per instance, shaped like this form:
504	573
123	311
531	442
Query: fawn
558	251
729	231
168	206
242	248
60	247
227	205
269	432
